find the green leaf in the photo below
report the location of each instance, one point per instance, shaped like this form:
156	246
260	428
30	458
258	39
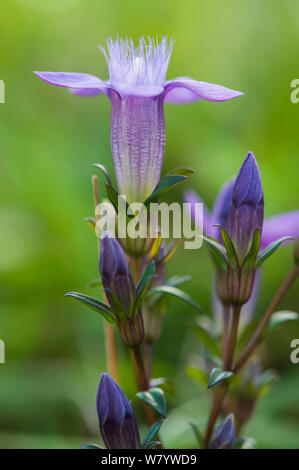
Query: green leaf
182	171
146	278
245	443
251	256
281	317
164	185
163	383
152	444
144	284
177	280
105	171
152	433
91	446
207	340
198	375
198	435
95	283
171	290
94	304
155	398
217	375
230	249
218	253
269	250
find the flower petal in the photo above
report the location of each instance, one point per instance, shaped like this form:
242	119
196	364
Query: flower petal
186	90
278	226
84	83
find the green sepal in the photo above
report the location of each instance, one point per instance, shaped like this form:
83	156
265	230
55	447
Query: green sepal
281	317
269	250
94	304
230	248
92	446
112	195
198	435
217	375
252	254
154	397
148	441
171	290
218	253
164	185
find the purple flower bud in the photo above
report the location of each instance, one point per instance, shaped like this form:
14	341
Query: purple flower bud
224	435
116	277
117	422
120	290
246	213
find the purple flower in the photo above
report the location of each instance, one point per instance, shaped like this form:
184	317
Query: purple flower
137	88
280	225
224	435
246	213
117	422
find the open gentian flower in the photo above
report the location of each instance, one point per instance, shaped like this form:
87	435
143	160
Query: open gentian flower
137	88
117	422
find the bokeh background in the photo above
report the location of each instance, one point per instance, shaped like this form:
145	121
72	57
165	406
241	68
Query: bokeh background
48	140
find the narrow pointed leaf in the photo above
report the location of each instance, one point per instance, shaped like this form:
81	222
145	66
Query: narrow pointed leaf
198	435
94	304
171	290
91	446
181	171
269	250
217	375
163	383
155	398
105	171
207	340
164	185
177	280
281	317
152	433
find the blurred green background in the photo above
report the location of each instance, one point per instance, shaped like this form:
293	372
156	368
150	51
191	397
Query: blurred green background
55	348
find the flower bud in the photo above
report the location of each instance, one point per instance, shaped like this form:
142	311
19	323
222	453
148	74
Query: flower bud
224	435
120	291
116	277
117	422
246	213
